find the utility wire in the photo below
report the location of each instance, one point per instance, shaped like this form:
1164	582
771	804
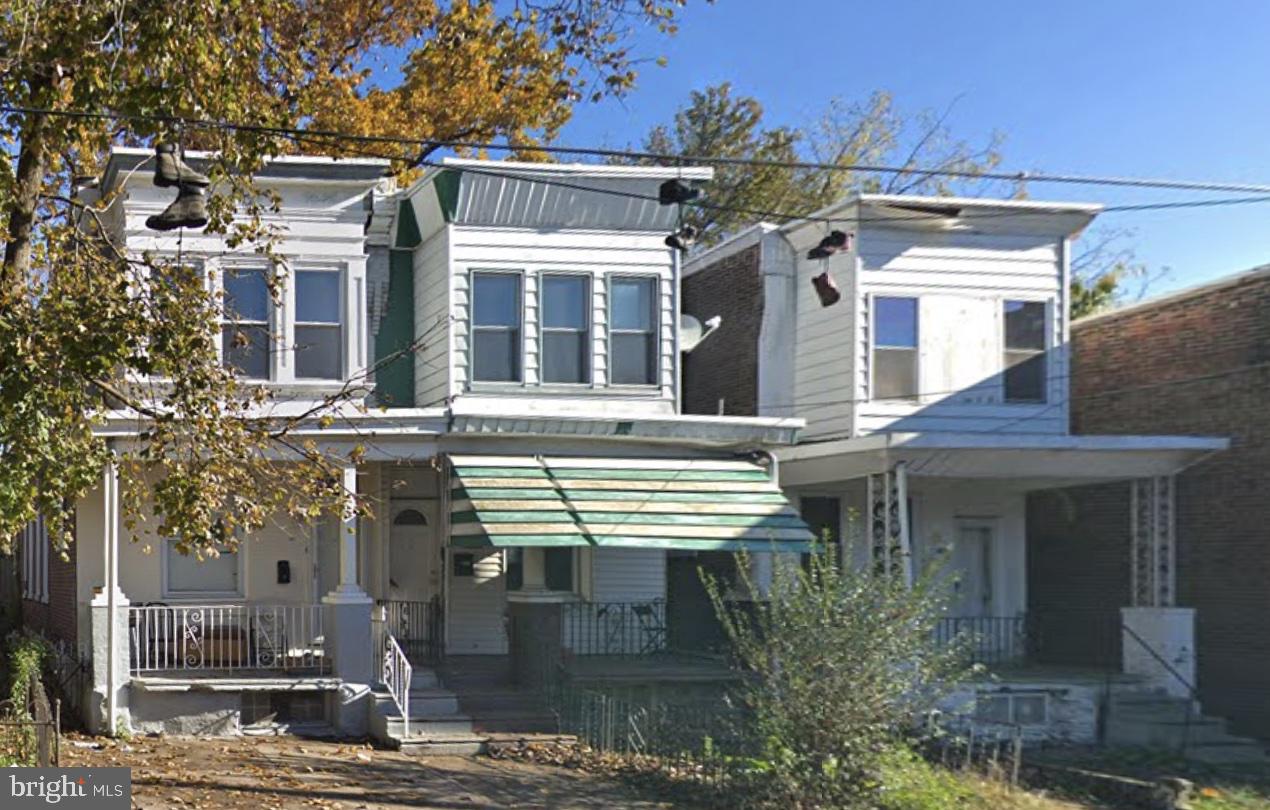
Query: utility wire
1012	176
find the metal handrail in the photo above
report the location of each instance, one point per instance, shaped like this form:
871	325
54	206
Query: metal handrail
397	676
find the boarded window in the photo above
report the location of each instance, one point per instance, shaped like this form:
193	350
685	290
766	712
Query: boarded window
245	323
319	331
633	331
894	348
566	329
212	575
496	344
1025	366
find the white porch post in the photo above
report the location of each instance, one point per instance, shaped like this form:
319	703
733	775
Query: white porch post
348	626
109	623
1157	638
888	522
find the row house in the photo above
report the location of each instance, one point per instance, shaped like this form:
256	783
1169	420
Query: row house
539	496
925	341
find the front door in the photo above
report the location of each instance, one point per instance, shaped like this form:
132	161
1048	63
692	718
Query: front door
414	570
972	567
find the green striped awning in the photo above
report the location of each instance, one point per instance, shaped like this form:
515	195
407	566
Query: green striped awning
697	504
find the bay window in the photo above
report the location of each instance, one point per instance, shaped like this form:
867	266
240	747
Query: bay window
496	327
566	340
633	327
1024	361
895	372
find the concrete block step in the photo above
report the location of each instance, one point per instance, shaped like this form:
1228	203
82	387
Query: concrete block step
537	723
424	679
430	726
471	745
433	703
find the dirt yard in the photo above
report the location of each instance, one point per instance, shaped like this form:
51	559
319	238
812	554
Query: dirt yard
281	773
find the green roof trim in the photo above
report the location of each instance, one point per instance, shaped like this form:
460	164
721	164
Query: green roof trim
408	235
447	183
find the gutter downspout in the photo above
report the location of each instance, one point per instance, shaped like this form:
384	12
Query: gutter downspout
112	586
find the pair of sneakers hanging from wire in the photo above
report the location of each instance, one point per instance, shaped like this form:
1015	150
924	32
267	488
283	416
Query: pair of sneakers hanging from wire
189	209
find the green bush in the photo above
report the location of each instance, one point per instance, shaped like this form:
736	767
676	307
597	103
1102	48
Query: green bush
844	660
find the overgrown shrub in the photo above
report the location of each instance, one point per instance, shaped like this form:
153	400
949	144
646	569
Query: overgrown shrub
844	660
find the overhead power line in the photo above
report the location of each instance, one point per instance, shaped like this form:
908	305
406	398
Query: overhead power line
425	145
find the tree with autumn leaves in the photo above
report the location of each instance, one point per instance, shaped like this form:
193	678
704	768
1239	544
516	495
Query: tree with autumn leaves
81	320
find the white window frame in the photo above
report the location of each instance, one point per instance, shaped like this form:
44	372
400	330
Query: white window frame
655	327
587	331
166	550
1048	303
520	276
35	561
293	290
916	349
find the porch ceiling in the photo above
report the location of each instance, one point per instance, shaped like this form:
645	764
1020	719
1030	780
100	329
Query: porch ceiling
1021	461
699	504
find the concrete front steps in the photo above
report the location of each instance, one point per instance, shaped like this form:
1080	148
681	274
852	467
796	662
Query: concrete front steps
1156	720
466	722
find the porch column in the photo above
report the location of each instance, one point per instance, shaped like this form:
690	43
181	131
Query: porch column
347	626
1157	637
889	544
108	712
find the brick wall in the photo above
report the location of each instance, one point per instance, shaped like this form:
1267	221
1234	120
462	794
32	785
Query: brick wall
726	365
57	619
1200	365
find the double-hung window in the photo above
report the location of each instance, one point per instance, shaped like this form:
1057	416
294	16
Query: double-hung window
319	331
496	327
633	327
246	306
894	349
1025	367
566	334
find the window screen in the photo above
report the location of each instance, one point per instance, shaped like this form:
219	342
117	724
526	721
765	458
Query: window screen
245	323
566	338
1025	366
187	574
894	348
496	345
318	331
633	331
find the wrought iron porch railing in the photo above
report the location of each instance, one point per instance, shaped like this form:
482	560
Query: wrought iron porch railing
988	640
417	627
224	638
615	628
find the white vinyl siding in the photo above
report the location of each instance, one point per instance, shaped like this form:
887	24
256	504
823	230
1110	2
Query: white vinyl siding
824	387
434	334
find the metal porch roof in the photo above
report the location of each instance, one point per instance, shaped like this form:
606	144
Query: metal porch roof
695	504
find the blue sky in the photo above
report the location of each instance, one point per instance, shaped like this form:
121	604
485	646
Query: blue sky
1124	87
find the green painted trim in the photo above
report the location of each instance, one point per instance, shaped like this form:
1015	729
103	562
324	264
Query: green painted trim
656	475
698	544
686	497
485	516
447	183
662	519
500	472
519	541
479	494
408	235
395	379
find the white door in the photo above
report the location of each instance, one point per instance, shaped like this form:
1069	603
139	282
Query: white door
972	568
414	569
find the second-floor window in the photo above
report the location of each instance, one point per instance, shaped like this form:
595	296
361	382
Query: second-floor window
496	342
319	334
1025	367
245	336
633	331
895	370
566	338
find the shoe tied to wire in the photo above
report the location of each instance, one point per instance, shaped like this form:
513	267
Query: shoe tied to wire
170	170
188	210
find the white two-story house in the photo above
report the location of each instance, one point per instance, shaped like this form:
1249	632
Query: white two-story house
516	328
926	349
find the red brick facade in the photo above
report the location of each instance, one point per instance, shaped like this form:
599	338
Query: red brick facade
57	618
725	366
1199	364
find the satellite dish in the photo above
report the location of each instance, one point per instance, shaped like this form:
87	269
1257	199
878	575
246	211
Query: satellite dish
692	332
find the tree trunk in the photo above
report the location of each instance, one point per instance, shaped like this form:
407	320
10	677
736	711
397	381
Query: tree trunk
26	199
